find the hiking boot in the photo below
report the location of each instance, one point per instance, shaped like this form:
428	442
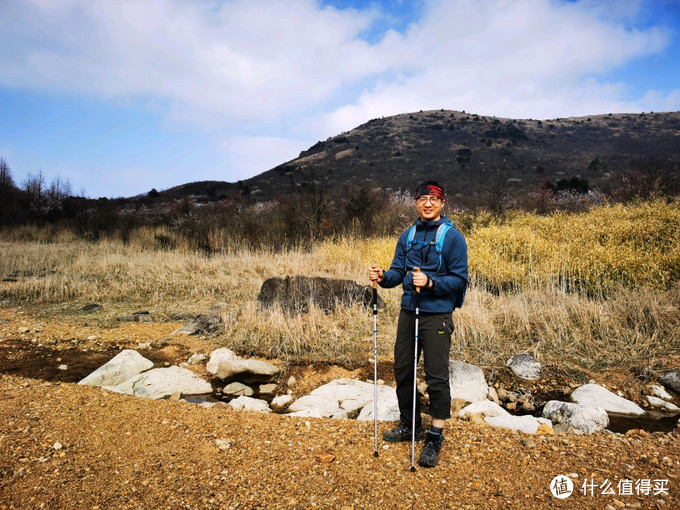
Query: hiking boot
402	433
430	454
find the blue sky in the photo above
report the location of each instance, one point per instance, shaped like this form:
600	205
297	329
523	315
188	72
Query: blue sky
119	97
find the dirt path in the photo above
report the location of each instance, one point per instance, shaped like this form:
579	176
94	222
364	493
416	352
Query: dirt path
68	446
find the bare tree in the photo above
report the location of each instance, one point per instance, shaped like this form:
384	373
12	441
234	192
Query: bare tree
6	181
34	186
59	190
647	178
497	185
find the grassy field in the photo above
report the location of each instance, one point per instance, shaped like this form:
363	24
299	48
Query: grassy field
590	289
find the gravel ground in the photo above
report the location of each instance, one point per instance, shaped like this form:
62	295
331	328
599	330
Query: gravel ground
68	446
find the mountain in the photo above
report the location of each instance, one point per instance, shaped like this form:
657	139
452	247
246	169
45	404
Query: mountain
468	152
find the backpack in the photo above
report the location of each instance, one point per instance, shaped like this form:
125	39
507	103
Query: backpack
438	241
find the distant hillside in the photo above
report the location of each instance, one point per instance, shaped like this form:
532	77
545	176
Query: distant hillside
207	189
467	152
464	150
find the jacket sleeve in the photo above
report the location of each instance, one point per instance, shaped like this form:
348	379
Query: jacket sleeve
395	274
456	260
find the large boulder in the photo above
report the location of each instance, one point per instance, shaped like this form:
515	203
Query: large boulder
595	395
343	398
218	356
296	294
388	406
467	382
163	382
576	418
495	416
247	371
125	365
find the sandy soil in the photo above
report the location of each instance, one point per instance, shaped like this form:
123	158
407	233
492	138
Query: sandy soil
68	446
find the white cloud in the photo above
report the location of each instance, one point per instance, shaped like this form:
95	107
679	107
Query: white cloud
519	58
267	75
241	59
257	60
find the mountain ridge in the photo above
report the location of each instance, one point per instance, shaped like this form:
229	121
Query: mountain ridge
467	152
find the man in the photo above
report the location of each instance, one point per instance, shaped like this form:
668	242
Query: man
441	279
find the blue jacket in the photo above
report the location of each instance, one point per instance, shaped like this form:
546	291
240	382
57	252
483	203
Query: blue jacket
450	280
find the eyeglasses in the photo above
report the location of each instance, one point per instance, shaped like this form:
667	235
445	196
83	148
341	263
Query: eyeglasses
425	199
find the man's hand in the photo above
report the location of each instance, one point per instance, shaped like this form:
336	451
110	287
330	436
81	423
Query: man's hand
375	274
420	279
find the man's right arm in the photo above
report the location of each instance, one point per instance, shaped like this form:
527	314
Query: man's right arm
395	274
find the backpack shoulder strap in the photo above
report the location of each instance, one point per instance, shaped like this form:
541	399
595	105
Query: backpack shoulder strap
439	239
441	233
409	238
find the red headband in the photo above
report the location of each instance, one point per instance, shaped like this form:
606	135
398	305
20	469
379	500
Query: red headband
430	189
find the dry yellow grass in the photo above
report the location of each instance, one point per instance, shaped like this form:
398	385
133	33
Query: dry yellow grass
631	252
598	251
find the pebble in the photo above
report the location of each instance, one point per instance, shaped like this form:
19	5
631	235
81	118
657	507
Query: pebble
324	457
528	442
223	444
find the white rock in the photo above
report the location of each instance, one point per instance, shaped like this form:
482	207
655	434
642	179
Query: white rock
657	402
217	357
526	424
483	407
281	401
318	405
467	382
340	398
595	395
579	418
525	366
660	391
125	365
250	404
163	382
196	358
267	389
388	406
247	370
306	413
237	388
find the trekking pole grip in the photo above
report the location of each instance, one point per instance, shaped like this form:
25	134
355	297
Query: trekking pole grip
417	270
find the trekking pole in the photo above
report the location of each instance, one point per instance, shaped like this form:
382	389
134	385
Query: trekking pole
375	365
415	385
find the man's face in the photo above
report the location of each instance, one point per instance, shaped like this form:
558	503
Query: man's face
430	207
